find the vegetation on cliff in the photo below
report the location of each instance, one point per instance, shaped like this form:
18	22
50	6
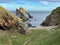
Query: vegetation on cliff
55	11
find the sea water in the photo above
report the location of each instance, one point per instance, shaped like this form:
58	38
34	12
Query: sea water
38	17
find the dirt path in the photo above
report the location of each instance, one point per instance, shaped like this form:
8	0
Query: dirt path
44	27
26	41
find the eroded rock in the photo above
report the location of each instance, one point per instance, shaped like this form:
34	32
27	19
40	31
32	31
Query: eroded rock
22	13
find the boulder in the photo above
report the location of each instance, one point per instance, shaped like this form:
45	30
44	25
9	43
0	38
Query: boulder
53	19
9	21
29	24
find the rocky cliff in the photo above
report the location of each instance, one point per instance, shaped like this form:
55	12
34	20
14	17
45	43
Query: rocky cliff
23	14
9	21
53	19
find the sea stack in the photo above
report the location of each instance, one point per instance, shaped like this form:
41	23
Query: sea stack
53	19
22	13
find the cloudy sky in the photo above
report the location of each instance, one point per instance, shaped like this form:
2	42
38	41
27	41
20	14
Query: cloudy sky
30	5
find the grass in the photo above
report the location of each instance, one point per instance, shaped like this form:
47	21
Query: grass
37	37
3	12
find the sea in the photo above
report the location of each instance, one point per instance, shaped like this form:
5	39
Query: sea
38	17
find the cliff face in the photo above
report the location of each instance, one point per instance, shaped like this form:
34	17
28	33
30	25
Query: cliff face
9	21
53	19
22	13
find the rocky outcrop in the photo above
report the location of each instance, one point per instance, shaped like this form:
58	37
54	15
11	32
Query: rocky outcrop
53	19
22	13
9	21
29	24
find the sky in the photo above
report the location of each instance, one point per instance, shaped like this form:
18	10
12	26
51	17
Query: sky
30	5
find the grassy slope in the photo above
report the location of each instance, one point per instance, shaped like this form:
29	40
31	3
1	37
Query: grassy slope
37	37
10	14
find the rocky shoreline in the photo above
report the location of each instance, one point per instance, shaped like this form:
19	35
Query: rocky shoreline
43	27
